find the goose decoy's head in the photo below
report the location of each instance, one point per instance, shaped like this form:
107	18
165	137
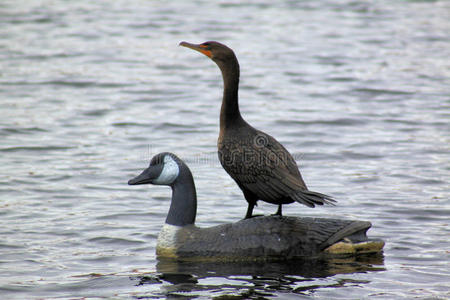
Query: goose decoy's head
163	170
214	50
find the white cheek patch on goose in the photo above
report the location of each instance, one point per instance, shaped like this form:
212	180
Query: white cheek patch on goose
169	172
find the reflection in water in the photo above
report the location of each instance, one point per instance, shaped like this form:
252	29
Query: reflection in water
259	278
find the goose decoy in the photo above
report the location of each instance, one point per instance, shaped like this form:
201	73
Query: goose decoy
262	168
259	238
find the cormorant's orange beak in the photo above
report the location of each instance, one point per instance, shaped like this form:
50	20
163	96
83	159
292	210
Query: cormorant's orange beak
199	47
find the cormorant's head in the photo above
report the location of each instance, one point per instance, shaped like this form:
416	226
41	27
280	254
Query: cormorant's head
214	50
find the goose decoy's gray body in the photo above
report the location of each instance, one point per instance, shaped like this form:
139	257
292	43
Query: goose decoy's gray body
262	168
258	238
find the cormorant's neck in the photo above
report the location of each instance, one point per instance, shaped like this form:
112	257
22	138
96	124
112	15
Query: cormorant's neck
183	207
229	113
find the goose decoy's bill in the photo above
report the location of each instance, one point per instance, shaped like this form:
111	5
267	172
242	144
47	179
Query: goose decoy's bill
262	168
269	238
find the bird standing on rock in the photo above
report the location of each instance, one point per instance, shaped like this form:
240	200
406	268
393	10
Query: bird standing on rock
262	168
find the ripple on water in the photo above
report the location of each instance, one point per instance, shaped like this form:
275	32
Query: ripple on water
359	155
127	216
35	148
374	93
10	131
129	124
68	83
333	122
116	241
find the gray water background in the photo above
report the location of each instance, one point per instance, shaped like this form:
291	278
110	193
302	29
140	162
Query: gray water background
358	91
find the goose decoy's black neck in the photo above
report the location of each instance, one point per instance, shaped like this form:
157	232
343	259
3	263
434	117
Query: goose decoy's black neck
167	169
228	64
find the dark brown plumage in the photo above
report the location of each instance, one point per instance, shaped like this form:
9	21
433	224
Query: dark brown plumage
260	165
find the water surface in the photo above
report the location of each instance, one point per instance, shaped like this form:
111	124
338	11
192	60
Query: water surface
356	90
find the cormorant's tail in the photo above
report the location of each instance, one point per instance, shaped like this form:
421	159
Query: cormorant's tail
311	199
